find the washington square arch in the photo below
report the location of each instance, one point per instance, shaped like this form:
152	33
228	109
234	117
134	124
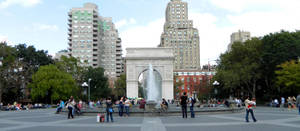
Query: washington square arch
138	61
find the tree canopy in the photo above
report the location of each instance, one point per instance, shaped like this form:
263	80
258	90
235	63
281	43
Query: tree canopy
288	77
98	84
120	86
49	82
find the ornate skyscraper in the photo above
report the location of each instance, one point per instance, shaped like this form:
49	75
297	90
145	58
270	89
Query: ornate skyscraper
180	34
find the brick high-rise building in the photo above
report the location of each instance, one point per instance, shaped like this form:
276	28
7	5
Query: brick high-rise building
180	34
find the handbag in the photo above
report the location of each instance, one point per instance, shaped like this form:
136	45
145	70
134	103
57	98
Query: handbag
110	110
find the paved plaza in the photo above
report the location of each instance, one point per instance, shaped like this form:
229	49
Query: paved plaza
269	119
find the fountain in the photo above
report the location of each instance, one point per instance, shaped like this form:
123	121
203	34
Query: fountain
152	90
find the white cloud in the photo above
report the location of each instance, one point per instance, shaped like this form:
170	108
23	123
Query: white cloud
262	23
213	39
4	38
125	22
121	23
143	36
242	5
24	3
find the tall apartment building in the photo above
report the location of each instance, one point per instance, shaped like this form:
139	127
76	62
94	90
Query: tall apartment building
95	40
180	34
111	48
84	34
240	36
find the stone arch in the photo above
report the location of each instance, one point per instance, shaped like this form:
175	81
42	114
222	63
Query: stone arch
138	59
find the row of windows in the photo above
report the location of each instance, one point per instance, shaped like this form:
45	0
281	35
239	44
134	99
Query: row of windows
81	51
81	41
81	46
193	73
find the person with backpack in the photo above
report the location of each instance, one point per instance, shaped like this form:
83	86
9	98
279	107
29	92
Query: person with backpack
192	101
183	103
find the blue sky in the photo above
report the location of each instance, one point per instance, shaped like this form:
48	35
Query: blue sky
43	23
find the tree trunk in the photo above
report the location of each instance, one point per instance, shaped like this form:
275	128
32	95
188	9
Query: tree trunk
254	90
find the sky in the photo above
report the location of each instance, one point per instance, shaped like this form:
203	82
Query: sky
43	23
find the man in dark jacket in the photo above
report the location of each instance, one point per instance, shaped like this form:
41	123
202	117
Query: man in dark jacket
183	103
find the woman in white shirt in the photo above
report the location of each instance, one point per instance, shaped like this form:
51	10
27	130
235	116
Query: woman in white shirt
127	104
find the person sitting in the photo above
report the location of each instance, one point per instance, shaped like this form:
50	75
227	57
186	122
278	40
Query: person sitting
142	104
60	106
164	105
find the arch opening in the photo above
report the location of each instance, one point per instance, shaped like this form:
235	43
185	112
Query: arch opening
142	83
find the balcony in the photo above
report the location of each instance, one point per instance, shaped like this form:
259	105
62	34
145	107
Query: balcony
70	43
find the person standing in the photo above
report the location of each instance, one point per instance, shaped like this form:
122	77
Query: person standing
192	101
249	108
183	103
298	103
121	106
282	102
127	105
109	110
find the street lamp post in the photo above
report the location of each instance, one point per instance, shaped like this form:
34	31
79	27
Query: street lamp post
216	83
84	84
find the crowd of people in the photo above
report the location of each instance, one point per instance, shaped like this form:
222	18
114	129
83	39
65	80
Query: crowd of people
124	105
289	102
16	106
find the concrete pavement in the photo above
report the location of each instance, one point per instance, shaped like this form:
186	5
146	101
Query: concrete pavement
269	119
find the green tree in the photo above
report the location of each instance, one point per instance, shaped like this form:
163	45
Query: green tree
98	84
120	84
72	66
7	58
288	77
277	49
241	66
51	83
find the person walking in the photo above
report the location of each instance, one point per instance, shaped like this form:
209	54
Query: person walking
249	108
109	110
298	103
183	103
70	107
192	101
